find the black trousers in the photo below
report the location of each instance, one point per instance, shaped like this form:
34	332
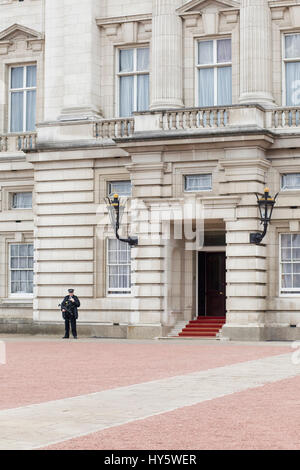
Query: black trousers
70	319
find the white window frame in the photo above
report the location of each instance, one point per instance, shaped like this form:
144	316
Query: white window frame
135	73
284	62
197	190
281	180
20	208
10	269
23	90
109	183
215	65
286	292
119	291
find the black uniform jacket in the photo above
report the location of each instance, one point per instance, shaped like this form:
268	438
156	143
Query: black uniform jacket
70	307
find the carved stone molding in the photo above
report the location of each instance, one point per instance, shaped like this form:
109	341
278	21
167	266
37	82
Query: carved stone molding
210	16
127	28
18	37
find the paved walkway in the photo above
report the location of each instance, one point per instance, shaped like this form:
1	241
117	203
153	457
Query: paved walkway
66	420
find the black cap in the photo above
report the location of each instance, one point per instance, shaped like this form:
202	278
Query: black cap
71	291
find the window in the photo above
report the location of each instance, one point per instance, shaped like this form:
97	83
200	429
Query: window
118	267
21	268
22	201
290	263
292	69
290	181
22	91
198	183
122	188
214	238
133	73
214	72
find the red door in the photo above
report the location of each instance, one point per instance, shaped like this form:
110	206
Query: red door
215	284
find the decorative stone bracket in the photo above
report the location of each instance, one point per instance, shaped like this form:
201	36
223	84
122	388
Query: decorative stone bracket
127	28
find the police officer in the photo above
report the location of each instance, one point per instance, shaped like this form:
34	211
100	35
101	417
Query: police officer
69	310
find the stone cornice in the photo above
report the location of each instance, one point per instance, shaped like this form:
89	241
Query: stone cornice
123	19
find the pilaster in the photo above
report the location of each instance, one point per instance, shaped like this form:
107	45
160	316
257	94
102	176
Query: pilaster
246	264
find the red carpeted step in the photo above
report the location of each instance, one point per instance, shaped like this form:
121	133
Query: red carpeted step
207	322
203	326
197	334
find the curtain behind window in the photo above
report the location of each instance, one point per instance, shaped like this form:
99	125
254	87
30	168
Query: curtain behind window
293	83
16	113
22	201
206	87
142	92
126	96
224	86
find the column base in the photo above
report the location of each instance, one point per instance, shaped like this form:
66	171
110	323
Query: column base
264	99
79	113
166	104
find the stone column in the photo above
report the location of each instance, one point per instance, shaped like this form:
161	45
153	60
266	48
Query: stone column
255	52
166	67
54	59
72	59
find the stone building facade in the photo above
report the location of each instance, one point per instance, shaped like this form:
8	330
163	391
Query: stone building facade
187	109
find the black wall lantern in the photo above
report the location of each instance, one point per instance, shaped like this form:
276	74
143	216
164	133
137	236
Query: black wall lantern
266	205
116	210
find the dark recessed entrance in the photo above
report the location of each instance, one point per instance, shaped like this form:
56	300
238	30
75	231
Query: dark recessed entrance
211	284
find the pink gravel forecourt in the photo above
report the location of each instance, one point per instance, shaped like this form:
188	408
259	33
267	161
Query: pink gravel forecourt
41	371
263	418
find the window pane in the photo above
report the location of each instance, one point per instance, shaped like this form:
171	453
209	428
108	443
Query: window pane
14	250
205	52
119	261
23	250
292	46
296	241
224	86
198	183
22	201
287	268
296	280
290	181
126	60
14	263
286	240
31	76
287	281
206	87
286	254
126	96
16	119
30	110
142	59
17	80
293	83
296	254
122	188
142	92
21	265
224	50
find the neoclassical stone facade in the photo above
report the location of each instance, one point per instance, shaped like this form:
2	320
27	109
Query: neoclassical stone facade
185	108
